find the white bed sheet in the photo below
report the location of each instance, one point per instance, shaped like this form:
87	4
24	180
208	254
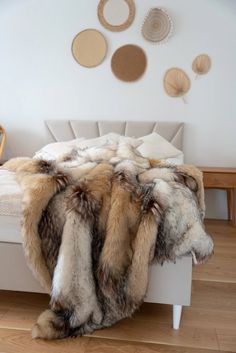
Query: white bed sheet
10	229
10	208
10	194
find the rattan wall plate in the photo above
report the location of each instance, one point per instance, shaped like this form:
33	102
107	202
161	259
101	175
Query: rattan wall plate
176	82
89	47
112	26
201	64
157	26
129	62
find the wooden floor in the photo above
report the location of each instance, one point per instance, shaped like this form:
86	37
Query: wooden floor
208	326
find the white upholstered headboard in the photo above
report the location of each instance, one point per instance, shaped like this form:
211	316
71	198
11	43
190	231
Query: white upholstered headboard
63	130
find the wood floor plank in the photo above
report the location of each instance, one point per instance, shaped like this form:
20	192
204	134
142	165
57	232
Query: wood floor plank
222	266
17	318
208	318
3	311
227	339
23	300
144	331
217	270
222	232
214	295
19	341
111	346
209	300
191	316
154	312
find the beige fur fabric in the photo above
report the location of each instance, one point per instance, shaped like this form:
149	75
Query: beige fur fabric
196	175
190	175
38	188
93	222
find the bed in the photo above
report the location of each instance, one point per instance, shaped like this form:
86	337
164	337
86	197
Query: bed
168	284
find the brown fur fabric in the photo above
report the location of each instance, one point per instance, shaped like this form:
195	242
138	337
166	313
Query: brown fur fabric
91	228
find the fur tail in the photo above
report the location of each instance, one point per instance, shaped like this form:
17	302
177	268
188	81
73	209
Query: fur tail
144	246
38	190
51	325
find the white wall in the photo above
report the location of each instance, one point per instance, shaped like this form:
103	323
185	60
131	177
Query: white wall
39	78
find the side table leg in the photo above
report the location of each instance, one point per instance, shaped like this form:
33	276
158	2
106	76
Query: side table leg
229	203
233	206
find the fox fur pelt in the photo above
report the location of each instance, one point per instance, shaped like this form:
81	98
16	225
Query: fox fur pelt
94	221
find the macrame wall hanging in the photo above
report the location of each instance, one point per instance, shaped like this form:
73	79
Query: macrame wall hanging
201	64
176	83
157	26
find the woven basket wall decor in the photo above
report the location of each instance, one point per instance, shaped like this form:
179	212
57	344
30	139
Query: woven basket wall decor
115	7
89	47
129	62
201	64
176	82
157	26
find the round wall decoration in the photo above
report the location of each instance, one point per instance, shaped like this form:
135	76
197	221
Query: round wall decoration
176	82
116	15
89	47
201	64
129	62
157	26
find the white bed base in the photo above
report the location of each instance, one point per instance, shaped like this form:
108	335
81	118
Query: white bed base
168	284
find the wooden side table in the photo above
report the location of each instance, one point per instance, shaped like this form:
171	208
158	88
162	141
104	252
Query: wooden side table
222	178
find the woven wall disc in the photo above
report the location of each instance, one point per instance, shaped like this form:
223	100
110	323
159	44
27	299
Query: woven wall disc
129	62
157	26
89	47
176	82
109	11
201	64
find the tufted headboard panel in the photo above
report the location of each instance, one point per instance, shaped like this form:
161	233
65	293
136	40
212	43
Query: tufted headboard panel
63	130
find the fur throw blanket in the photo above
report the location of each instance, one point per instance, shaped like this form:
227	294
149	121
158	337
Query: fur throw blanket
94	221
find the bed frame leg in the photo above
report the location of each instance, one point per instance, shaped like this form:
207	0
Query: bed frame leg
177	311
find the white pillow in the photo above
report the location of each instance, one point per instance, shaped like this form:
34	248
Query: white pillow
54	150
151	146
176	160
155	146
132	141
99	141
110	138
